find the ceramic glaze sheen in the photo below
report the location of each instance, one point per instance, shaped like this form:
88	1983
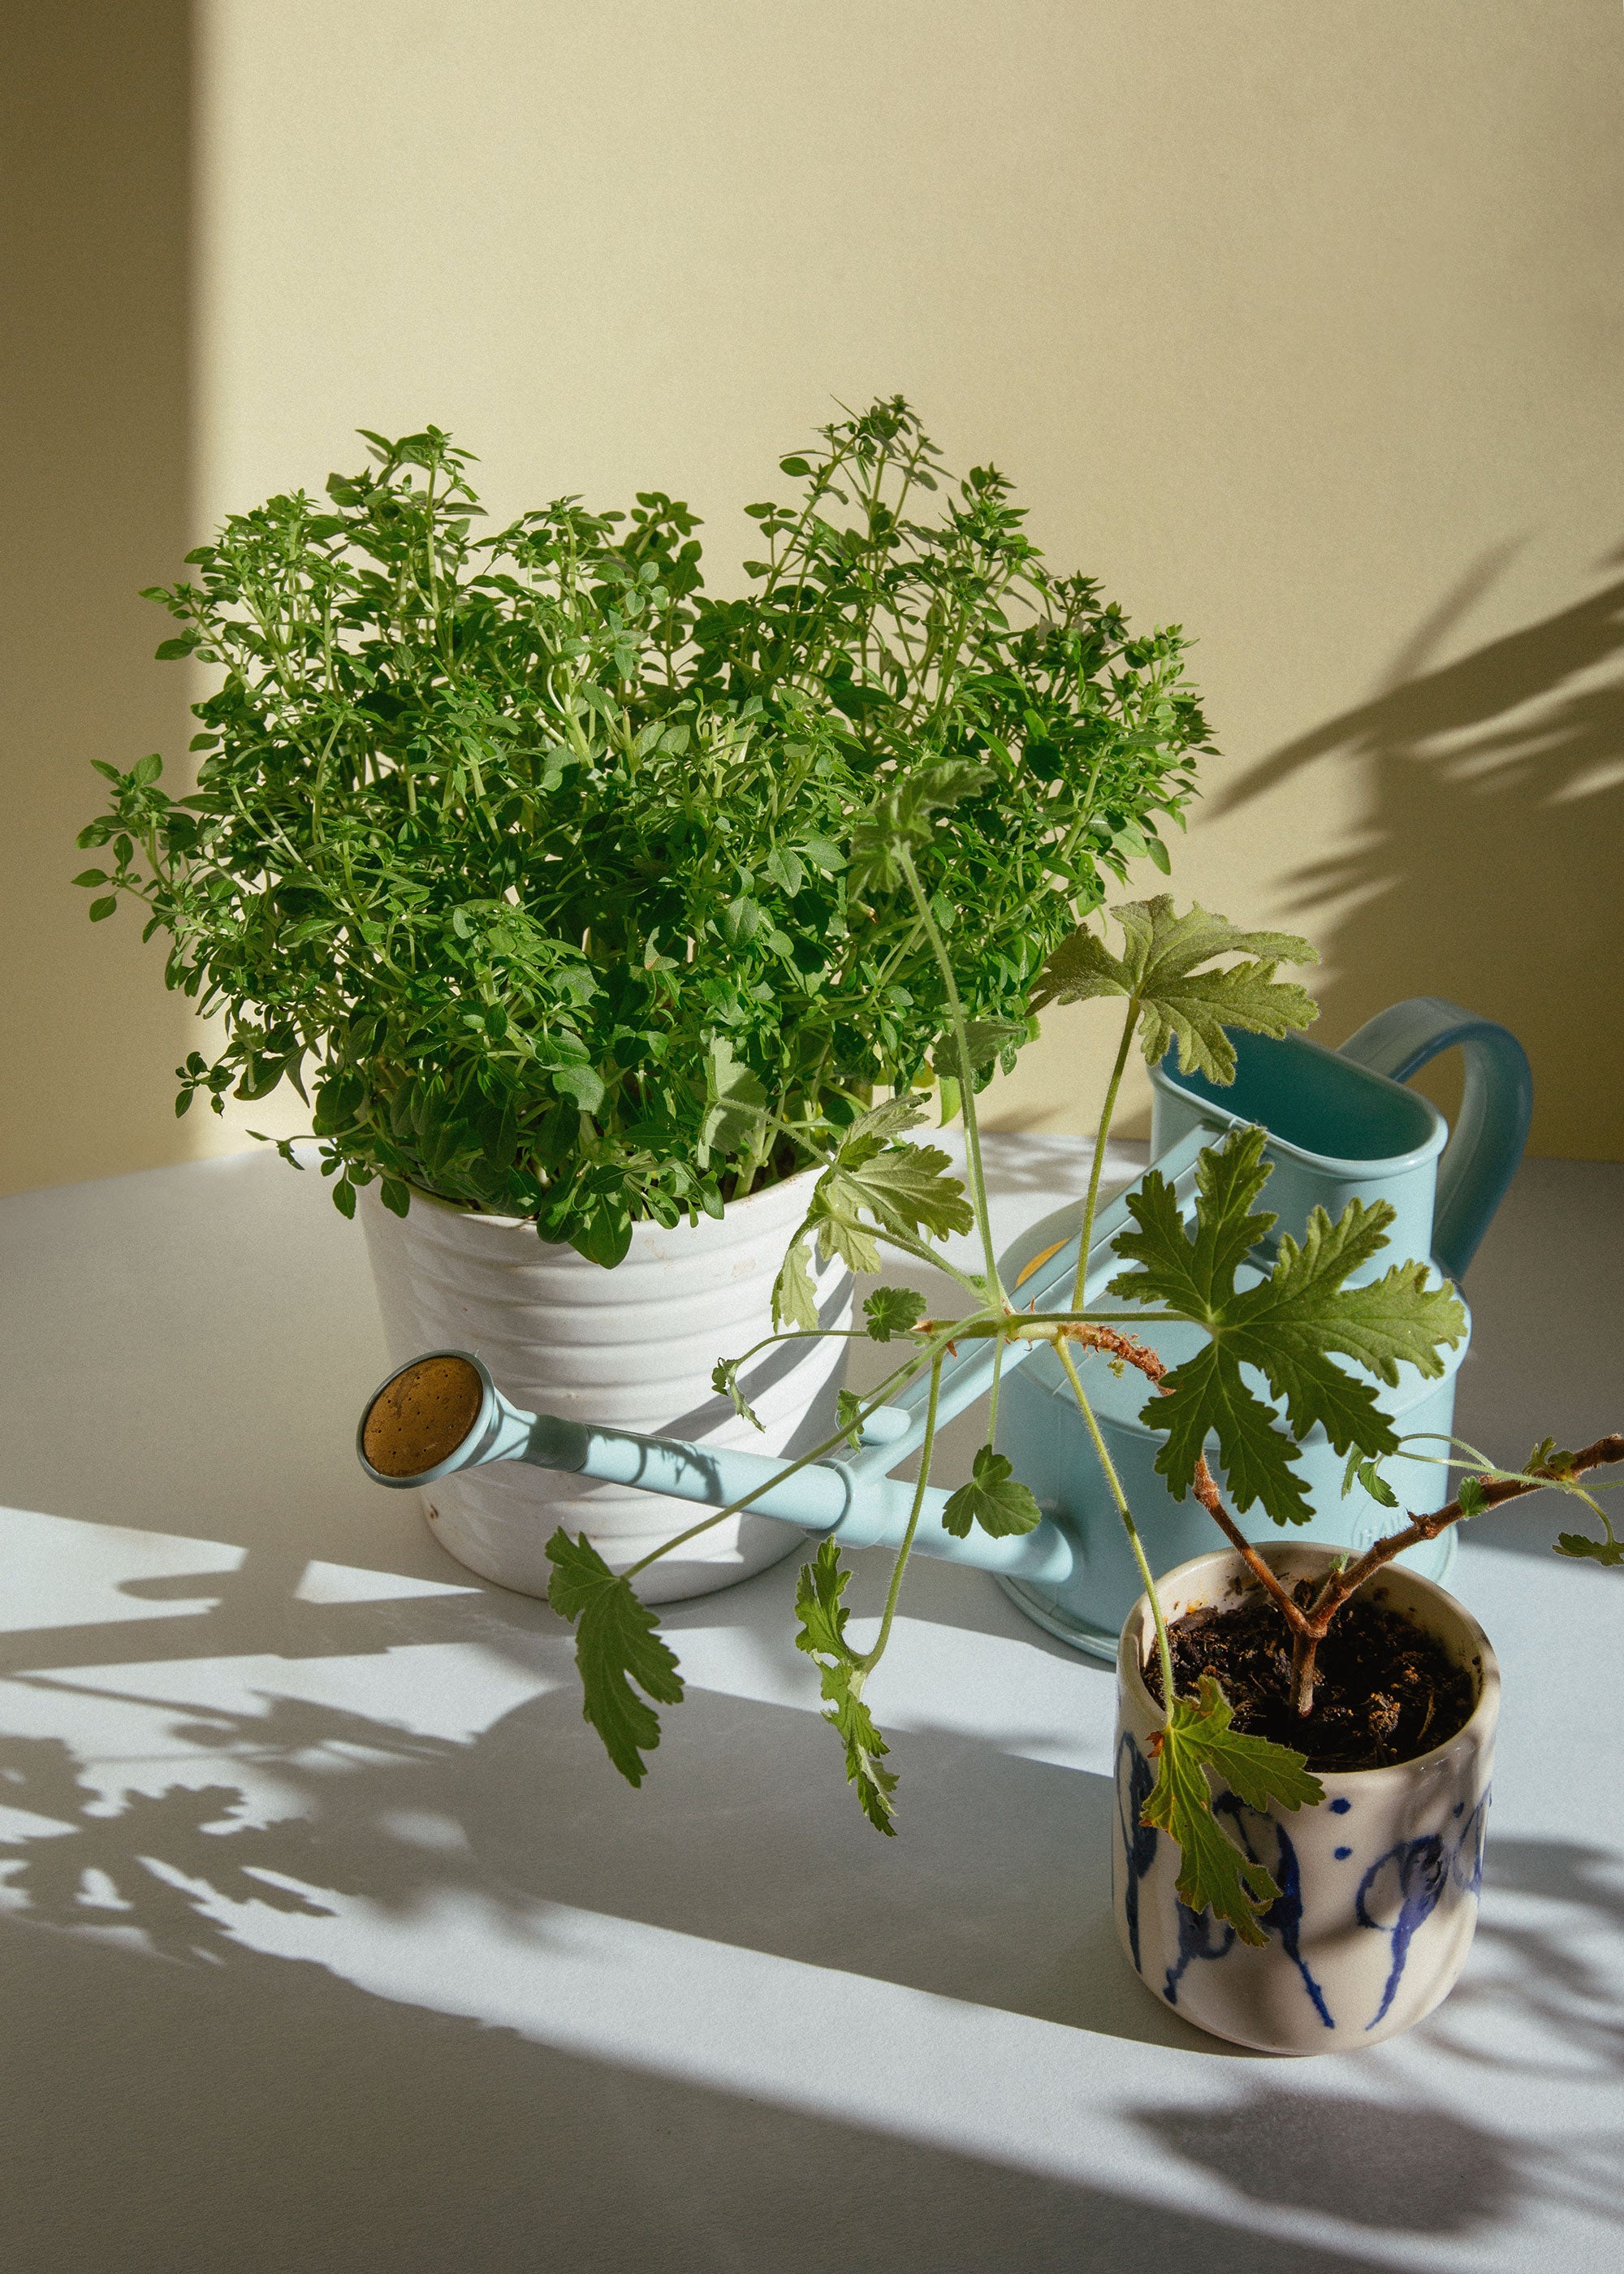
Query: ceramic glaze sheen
631	1348
1378	1884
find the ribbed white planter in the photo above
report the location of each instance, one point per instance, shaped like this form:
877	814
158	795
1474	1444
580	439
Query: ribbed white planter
634	1348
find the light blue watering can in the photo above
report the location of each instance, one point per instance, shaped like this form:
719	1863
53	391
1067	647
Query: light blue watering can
1341	1126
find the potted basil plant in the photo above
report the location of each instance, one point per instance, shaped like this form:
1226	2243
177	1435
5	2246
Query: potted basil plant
528	863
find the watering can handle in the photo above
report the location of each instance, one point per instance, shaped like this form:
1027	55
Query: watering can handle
1491	1127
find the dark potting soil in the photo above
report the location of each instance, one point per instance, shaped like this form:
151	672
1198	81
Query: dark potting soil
1384	1692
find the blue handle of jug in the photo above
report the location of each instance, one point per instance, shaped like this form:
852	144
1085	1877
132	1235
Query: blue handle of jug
1491	1127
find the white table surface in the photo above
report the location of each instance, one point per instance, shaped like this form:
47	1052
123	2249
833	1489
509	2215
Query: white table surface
332	1941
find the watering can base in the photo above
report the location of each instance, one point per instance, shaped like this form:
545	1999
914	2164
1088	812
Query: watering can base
1065	1627
1434	1559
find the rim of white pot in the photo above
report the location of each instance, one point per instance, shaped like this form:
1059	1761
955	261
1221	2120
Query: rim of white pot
731	1209
1139	1630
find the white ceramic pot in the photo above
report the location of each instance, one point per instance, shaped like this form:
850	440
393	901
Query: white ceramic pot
632	1347
1379	1883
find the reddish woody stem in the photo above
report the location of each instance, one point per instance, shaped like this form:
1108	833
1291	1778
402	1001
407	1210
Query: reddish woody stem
1309	1628
1128	1351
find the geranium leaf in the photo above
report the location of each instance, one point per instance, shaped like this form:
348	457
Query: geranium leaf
1610	1551
724	1380
617	1645
1156	971
873	1130
904	1189
795	1295
891	1310
1472	1497
1375	1484
1291	1326
994	1498
738	1105
1214	1874
823	1616
837	1235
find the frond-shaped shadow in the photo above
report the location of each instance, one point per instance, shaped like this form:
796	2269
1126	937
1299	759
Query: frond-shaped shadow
1488	870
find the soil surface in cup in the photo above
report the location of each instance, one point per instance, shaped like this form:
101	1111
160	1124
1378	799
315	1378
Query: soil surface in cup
420	1417
1384	1692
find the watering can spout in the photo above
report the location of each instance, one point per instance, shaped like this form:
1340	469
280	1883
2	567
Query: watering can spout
443	1414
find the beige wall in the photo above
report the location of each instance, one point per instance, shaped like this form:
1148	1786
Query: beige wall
1299	326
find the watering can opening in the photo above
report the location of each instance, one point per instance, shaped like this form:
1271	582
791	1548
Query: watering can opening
421	1416
1317	1101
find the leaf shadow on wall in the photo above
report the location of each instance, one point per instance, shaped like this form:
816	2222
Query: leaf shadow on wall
1490	864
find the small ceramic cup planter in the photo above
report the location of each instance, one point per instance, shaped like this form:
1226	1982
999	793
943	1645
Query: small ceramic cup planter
1379	1883
632	1347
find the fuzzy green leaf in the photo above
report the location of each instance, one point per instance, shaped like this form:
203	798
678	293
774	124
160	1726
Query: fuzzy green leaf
848	1417
1156	971
1376	1484
891	1310
984	1040
1471	1497
1214	1874
901	1187
904	1189
839	1235
1579	1544
822	1615
880	1126
738	1103
795	1295
617	1645
823	1618
724	1381
994	1499
1291	1326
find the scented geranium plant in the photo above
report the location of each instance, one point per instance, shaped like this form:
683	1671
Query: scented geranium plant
529	864
1271	1310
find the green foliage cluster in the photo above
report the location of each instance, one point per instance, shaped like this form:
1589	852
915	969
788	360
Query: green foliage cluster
1291	1315
563	888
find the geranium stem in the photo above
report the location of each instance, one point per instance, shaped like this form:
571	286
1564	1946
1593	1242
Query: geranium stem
1086	1240
1163	1648
873	1657
961	1050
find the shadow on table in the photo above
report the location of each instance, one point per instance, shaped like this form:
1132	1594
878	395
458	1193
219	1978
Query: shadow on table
1534	2000
275	2112
261	2116
743	1835
1390	2167
194	2103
